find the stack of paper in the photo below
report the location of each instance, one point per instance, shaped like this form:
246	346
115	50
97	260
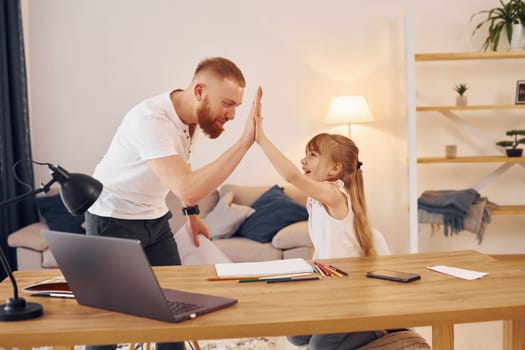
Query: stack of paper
206	253
264	268
457	272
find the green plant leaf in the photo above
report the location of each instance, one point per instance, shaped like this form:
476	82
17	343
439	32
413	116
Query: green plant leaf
500	19
504	143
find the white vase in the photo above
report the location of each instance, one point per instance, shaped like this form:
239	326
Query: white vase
516	42
461	100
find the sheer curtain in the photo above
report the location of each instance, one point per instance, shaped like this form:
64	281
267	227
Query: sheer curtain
15	142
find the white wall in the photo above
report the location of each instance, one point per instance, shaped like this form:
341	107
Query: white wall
89	61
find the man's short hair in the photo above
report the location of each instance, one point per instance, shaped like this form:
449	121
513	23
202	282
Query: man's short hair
223	68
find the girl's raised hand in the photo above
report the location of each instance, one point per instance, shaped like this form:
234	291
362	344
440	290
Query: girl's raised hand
249	130
259	132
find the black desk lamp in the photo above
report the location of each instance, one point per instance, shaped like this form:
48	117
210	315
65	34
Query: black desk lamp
78	192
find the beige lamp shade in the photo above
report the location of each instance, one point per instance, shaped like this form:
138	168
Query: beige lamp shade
348	110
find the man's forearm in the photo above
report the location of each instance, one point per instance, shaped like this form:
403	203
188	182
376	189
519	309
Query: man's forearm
204	180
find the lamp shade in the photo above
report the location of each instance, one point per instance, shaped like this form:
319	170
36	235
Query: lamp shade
78	191
348	110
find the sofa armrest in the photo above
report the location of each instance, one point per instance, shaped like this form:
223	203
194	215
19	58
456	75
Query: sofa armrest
29	236
293	236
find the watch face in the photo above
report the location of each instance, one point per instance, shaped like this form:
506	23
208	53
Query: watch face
191	210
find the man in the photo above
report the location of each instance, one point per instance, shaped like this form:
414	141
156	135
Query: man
149	155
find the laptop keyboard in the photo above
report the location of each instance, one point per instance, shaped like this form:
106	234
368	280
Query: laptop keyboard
178	307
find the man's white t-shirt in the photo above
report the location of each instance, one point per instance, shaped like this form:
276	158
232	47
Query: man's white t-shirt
149	130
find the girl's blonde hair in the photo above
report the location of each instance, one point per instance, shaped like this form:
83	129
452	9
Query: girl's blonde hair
341	149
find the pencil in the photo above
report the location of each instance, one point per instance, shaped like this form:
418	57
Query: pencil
333	271
321	273
339	270
322	267
237	278
234	278
293	279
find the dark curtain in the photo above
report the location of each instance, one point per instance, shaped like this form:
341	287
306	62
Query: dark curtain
15	142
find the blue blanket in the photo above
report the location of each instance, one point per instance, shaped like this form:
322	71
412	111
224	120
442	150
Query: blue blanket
454	205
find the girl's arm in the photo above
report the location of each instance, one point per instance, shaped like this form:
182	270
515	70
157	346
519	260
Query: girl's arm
323	192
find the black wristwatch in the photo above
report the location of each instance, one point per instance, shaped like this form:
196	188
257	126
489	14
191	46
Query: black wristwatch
191	210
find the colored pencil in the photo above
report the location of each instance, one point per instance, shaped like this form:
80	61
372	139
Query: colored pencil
265	279
322	267
238	278
339	270
293	279
234	278
333	271
321	273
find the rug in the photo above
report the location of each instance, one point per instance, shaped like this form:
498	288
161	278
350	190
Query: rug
261	343
239	344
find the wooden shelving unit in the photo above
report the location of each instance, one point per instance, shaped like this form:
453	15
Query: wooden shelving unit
414	111
455	56
503	209
468	108
510	210
471	159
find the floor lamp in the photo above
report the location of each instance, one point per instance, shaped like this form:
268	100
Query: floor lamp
78	192
348	110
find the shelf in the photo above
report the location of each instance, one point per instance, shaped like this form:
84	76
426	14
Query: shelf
471	159
456	56
468	108
509	210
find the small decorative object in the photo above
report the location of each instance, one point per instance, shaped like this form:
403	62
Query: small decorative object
512	146
501	19
520	92
461	99
451	151
516	41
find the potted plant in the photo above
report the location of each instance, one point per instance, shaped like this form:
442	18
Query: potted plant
461	99
512	150
507	18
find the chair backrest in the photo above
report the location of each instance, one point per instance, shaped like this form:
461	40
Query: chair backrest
380	243
406	340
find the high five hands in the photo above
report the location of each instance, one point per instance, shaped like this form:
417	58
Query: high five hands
248	136
259	132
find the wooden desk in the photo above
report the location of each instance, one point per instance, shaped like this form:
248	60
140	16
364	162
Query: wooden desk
353	303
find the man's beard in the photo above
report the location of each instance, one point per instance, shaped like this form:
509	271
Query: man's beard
206	122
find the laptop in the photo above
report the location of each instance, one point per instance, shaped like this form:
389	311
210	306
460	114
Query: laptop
115	274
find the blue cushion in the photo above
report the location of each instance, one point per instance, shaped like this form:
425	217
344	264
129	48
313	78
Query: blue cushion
57	216
273	211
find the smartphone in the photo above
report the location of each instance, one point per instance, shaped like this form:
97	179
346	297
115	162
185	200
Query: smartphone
397	276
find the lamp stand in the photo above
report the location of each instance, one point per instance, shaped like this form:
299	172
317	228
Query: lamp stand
16	308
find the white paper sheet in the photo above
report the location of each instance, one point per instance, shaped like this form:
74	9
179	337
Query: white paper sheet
206	253
264	268
457	272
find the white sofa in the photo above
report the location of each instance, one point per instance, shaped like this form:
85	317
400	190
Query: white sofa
290	242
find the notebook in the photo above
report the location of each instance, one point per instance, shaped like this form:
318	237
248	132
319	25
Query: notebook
115	274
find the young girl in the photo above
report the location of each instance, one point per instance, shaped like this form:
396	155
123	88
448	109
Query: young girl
337	221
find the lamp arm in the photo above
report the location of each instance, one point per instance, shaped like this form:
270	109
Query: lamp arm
43	188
